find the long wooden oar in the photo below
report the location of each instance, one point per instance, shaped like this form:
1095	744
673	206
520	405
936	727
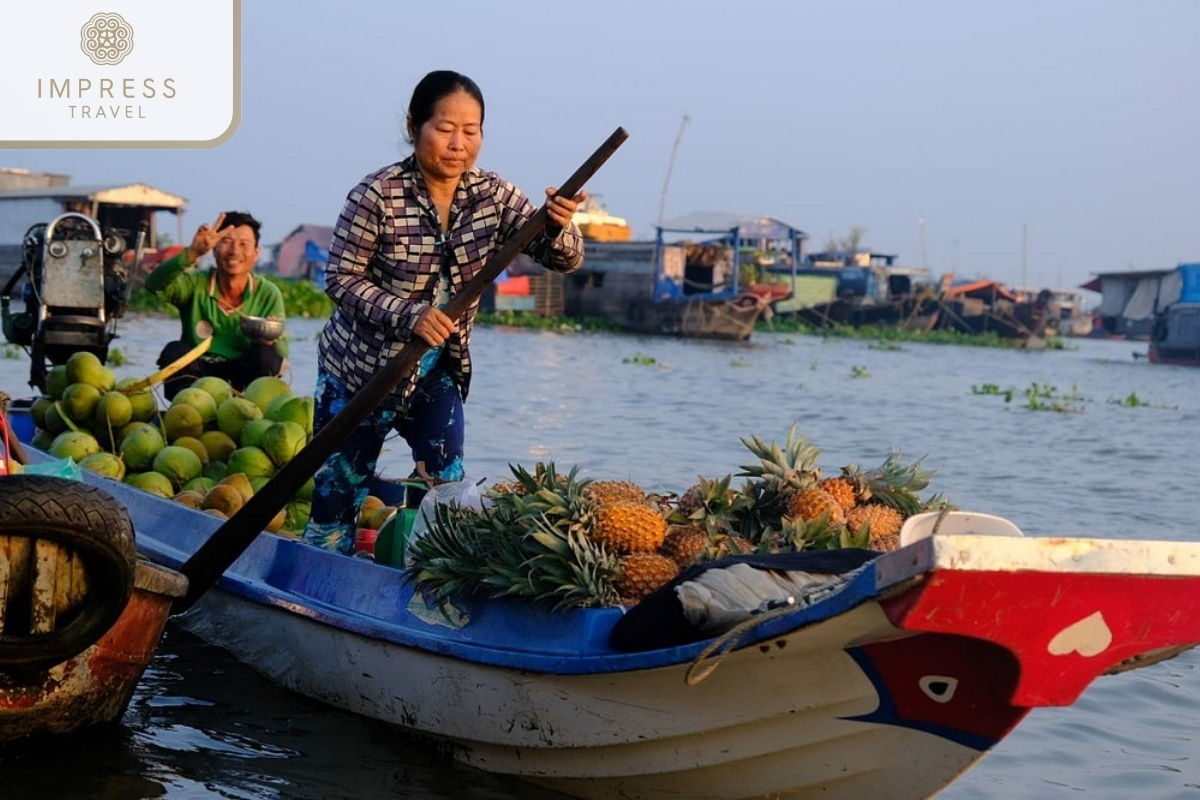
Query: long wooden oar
230	540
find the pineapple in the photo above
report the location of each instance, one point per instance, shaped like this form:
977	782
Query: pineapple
604	492
642	573
841	490
788	470
881	522
730	545
773	483
534	543
693	499
625	527
710	505
505	487
820	533
545	493
892	483
685	545
812	503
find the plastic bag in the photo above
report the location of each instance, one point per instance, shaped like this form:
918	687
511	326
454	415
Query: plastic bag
465	493
59	468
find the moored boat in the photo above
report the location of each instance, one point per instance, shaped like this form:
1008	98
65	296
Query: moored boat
686	281
887	677
1175	335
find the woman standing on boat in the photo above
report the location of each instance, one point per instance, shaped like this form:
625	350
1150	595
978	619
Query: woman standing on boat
411	235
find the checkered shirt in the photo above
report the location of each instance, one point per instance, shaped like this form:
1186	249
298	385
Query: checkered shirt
385	257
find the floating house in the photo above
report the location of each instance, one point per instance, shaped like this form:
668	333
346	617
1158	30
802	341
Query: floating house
1130	301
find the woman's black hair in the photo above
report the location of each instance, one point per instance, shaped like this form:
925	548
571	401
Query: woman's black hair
431	89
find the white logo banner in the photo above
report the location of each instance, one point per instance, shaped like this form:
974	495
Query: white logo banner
123	74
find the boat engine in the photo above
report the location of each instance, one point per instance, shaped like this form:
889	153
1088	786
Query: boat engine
75	286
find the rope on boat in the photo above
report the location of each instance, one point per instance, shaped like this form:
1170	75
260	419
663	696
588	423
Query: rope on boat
699	671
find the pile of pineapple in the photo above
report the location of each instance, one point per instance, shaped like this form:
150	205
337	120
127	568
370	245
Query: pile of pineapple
571	542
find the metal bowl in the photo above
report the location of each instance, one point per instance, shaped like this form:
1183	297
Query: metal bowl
262	329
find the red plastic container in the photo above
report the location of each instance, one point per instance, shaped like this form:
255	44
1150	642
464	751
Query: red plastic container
364	542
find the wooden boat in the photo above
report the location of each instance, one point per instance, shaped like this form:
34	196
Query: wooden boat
80	618
986	306
888	679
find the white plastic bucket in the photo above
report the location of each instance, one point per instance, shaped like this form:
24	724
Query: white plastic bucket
919	526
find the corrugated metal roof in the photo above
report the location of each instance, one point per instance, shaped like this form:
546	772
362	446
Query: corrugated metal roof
749	226
138	194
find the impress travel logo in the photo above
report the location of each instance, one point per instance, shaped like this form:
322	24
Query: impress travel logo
75	79
107	39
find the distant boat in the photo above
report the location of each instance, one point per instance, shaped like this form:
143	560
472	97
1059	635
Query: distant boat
1175	335
687	281
597	225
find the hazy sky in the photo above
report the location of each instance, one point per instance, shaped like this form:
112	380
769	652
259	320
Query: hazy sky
1054	139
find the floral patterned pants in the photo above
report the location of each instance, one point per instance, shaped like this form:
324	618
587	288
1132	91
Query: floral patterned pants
433	427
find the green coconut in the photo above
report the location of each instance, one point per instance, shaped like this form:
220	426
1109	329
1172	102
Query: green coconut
109	439
55	421
295	409
108	380
277	521
215	470
145	406
152	482
106	464
234	413
277	403
43	439
297	512
56	381
79	401
85	367
201	484
306	491
282	441
199	399
218	388
74	445
195	445
224	498
113	411
253	432
130	427
178	463
38	408
190	498
218	445
252	461
182	420
239	481
139	447
257	483
261	391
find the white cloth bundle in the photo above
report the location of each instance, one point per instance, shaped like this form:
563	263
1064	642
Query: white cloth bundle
717	599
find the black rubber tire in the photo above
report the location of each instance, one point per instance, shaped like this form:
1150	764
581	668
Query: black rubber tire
94	524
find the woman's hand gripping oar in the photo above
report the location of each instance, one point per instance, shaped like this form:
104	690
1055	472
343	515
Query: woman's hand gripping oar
230	540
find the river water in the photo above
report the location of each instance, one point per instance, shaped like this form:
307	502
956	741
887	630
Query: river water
1104	454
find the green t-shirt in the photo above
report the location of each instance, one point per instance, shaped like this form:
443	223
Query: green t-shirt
195	295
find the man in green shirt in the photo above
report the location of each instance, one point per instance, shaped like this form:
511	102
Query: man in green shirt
212	303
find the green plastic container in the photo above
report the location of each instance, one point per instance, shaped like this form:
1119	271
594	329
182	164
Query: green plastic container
393	536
